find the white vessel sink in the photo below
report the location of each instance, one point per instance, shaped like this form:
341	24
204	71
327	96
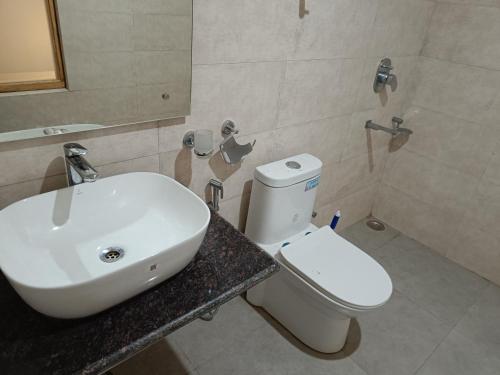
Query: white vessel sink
53	246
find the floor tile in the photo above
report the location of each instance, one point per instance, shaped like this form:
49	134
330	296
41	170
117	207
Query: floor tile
395	339
201	340
482	321
160	358
459	355
368	239
272	350
435	283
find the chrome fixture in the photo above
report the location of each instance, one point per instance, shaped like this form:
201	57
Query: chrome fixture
302	9
375	224
78	170
201	141
217	190
54	131
111	254
395	130
384	76
229	128
232	152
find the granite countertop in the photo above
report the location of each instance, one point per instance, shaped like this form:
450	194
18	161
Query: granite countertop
30	343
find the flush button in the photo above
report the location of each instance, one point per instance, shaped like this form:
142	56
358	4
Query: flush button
293	165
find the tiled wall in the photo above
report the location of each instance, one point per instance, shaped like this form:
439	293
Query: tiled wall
443	186
120	58
295	85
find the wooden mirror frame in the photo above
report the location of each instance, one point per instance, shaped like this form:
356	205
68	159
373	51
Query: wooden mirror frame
60	81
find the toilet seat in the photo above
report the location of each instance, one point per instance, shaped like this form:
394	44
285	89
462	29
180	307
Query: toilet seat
338	269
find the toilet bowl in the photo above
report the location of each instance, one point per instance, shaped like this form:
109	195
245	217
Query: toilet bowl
324	280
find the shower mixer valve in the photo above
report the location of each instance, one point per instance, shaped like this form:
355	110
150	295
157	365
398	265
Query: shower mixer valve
384	77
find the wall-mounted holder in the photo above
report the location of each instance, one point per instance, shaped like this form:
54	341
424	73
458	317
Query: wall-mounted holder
232	152
201	141
384	77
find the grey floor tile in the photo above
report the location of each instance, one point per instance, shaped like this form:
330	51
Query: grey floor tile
396	339
459	355
482	321
435	283
159	359
367	239
272	350
201	341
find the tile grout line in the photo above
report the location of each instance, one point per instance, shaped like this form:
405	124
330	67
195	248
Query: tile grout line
453	328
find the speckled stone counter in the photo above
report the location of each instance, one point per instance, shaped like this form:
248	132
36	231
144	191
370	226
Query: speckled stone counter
30	343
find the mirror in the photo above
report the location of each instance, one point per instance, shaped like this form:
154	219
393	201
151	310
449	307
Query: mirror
70	65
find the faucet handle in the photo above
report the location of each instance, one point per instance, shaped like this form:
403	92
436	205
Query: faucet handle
74	149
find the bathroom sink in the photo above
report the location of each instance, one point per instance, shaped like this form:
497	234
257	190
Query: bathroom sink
77	251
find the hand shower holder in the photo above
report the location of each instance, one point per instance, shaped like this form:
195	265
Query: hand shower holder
232	152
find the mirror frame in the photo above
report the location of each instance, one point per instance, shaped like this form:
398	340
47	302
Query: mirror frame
60	81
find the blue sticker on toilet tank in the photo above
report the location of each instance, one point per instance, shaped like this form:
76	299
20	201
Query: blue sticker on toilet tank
312	184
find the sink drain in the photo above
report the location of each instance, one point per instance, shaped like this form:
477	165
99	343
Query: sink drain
112	254
375	225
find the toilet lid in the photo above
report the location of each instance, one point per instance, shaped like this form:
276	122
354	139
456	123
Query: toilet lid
339	269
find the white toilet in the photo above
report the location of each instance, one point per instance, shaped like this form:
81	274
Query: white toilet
324	280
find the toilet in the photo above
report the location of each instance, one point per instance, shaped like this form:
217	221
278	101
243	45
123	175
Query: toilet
324	280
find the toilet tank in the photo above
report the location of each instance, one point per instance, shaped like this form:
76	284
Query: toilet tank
282	200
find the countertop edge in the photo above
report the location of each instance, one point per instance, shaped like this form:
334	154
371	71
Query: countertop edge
107	363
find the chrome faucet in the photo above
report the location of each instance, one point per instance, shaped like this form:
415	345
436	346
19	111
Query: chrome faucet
78	170
217	193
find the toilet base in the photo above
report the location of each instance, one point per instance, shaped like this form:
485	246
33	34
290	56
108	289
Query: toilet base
305	314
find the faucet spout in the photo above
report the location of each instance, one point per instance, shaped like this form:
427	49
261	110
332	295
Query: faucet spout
78	169
217	193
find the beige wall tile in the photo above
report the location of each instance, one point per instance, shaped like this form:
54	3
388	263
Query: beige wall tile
428	181
150	67
322	138
173	7
145	164
115	6
465	34
457	143
87	31
478	251
354	174
161	32
95	70
400	27
483	209
235	210
319	89
242	31
164	100
468	97
334	29
246	93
